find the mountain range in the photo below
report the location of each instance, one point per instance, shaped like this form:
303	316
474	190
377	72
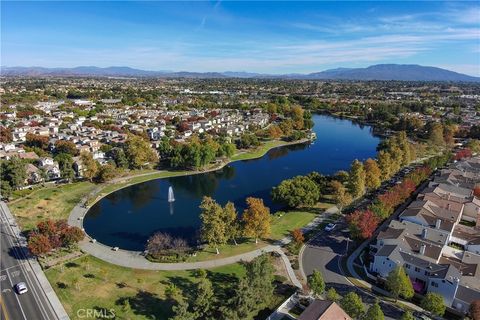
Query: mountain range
401	72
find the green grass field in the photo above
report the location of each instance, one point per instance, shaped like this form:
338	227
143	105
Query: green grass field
89	283
54	202
258	152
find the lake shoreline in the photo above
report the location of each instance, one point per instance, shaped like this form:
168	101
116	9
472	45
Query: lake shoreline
171	174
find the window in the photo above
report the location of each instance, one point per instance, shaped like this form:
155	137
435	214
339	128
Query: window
427	273
417	269
407	266
434	284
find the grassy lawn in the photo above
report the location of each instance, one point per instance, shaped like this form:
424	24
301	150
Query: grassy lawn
88	282
54	202
281	226
258	152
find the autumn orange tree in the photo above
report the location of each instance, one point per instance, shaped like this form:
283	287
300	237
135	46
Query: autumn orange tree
256	219
362	224
298	236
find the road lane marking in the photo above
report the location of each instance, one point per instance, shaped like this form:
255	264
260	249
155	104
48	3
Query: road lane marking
22	254
18	300
4	308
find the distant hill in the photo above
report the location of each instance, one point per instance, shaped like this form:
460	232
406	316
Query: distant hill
402	72
405	72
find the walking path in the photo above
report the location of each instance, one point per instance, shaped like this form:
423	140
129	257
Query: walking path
136	259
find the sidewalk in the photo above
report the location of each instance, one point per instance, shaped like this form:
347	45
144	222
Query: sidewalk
42	280
135	259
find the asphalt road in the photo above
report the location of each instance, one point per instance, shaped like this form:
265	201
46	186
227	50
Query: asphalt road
323	253
14	268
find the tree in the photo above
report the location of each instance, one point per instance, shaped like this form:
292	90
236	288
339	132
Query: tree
89	165
475	310
242	303
260	277
274	132
435	134
297	236
316	283
35	140
372	174
357	179
296	192
352	305
232	224
106	173
362	224
71	235
407	315
203	301
39	244
139	153
66	146
340	195
385	164
180	311
119	157
6	135
65	164
213	228
13	173
399	284
434	303
256	219
332	295
404	145
374	313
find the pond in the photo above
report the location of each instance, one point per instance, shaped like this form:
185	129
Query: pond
127	217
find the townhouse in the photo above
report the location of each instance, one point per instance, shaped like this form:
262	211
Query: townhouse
436	239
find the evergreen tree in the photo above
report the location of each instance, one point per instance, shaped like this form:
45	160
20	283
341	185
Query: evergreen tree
204	299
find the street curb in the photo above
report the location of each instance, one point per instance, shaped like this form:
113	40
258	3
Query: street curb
47	288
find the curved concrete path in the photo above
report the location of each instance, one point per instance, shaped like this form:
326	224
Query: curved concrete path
136	259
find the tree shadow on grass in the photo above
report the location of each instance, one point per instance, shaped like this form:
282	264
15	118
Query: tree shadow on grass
185	285
148	305
223	284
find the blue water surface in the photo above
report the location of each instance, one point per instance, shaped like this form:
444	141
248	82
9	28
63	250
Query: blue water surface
127	217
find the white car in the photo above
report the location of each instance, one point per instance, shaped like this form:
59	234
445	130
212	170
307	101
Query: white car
21	288
329	227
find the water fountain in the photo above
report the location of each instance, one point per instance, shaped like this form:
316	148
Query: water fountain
171	197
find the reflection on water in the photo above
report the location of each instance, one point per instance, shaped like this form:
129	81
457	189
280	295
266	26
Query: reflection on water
127	218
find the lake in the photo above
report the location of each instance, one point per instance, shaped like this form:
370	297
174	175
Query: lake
127	217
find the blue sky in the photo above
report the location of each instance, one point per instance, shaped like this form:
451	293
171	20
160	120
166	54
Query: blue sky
268	37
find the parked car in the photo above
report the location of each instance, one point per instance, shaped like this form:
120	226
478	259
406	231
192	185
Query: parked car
21	288
329	227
